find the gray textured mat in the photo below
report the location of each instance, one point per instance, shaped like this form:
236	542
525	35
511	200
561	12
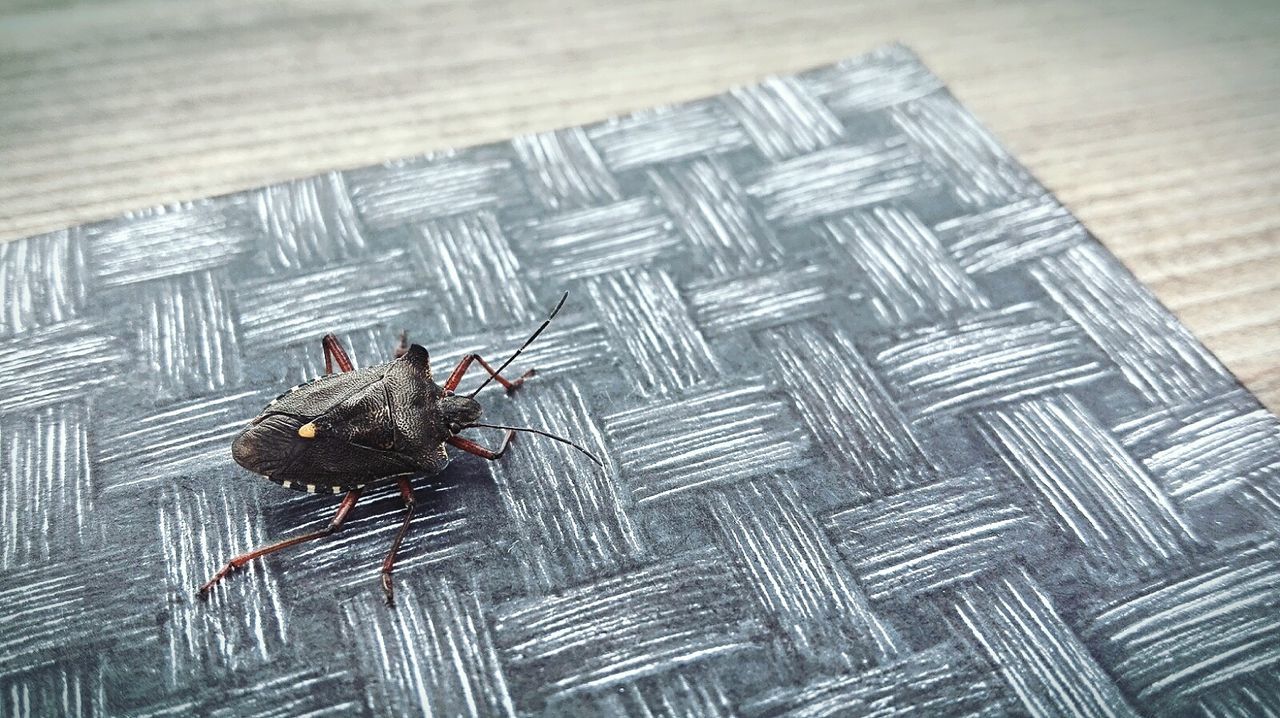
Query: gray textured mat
885	428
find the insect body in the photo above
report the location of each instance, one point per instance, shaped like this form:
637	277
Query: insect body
345	431
339	432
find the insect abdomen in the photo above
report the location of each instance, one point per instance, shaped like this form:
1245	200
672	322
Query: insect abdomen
313	488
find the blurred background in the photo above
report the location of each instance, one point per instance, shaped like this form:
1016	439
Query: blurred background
1158	123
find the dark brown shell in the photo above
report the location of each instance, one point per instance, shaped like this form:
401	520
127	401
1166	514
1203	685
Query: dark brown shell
372	424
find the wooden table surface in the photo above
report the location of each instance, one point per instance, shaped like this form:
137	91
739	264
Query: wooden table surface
1157	123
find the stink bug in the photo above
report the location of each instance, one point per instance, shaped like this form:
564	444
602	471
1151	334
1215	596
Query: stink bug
346	431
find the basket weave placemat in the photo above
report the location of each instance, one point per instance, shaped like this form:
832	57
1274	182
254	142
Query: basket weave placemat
885	429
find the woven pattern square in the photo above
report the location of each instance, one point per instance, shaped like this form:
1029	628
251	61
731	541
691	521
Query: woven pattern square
885	431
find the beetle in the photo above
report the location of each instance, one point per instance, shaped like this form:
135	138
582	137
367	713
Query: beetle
346	431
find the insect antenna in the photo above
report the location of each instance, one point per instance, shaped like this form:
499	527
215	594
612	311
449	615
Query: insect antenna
539	432
524	346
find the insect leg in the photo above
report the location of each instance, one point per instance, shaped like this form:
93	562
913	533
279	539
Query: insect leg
348	502
406	493
465	364
472	447
333	352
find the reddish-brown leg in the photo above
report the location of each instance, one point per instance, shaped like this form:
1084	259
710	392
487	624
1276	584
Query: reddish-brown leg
333	352
403	347
348	502
461	370
406	493
472	447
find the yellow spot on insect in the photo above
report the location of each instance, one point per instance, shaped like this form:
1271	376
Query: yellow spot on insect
307	430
